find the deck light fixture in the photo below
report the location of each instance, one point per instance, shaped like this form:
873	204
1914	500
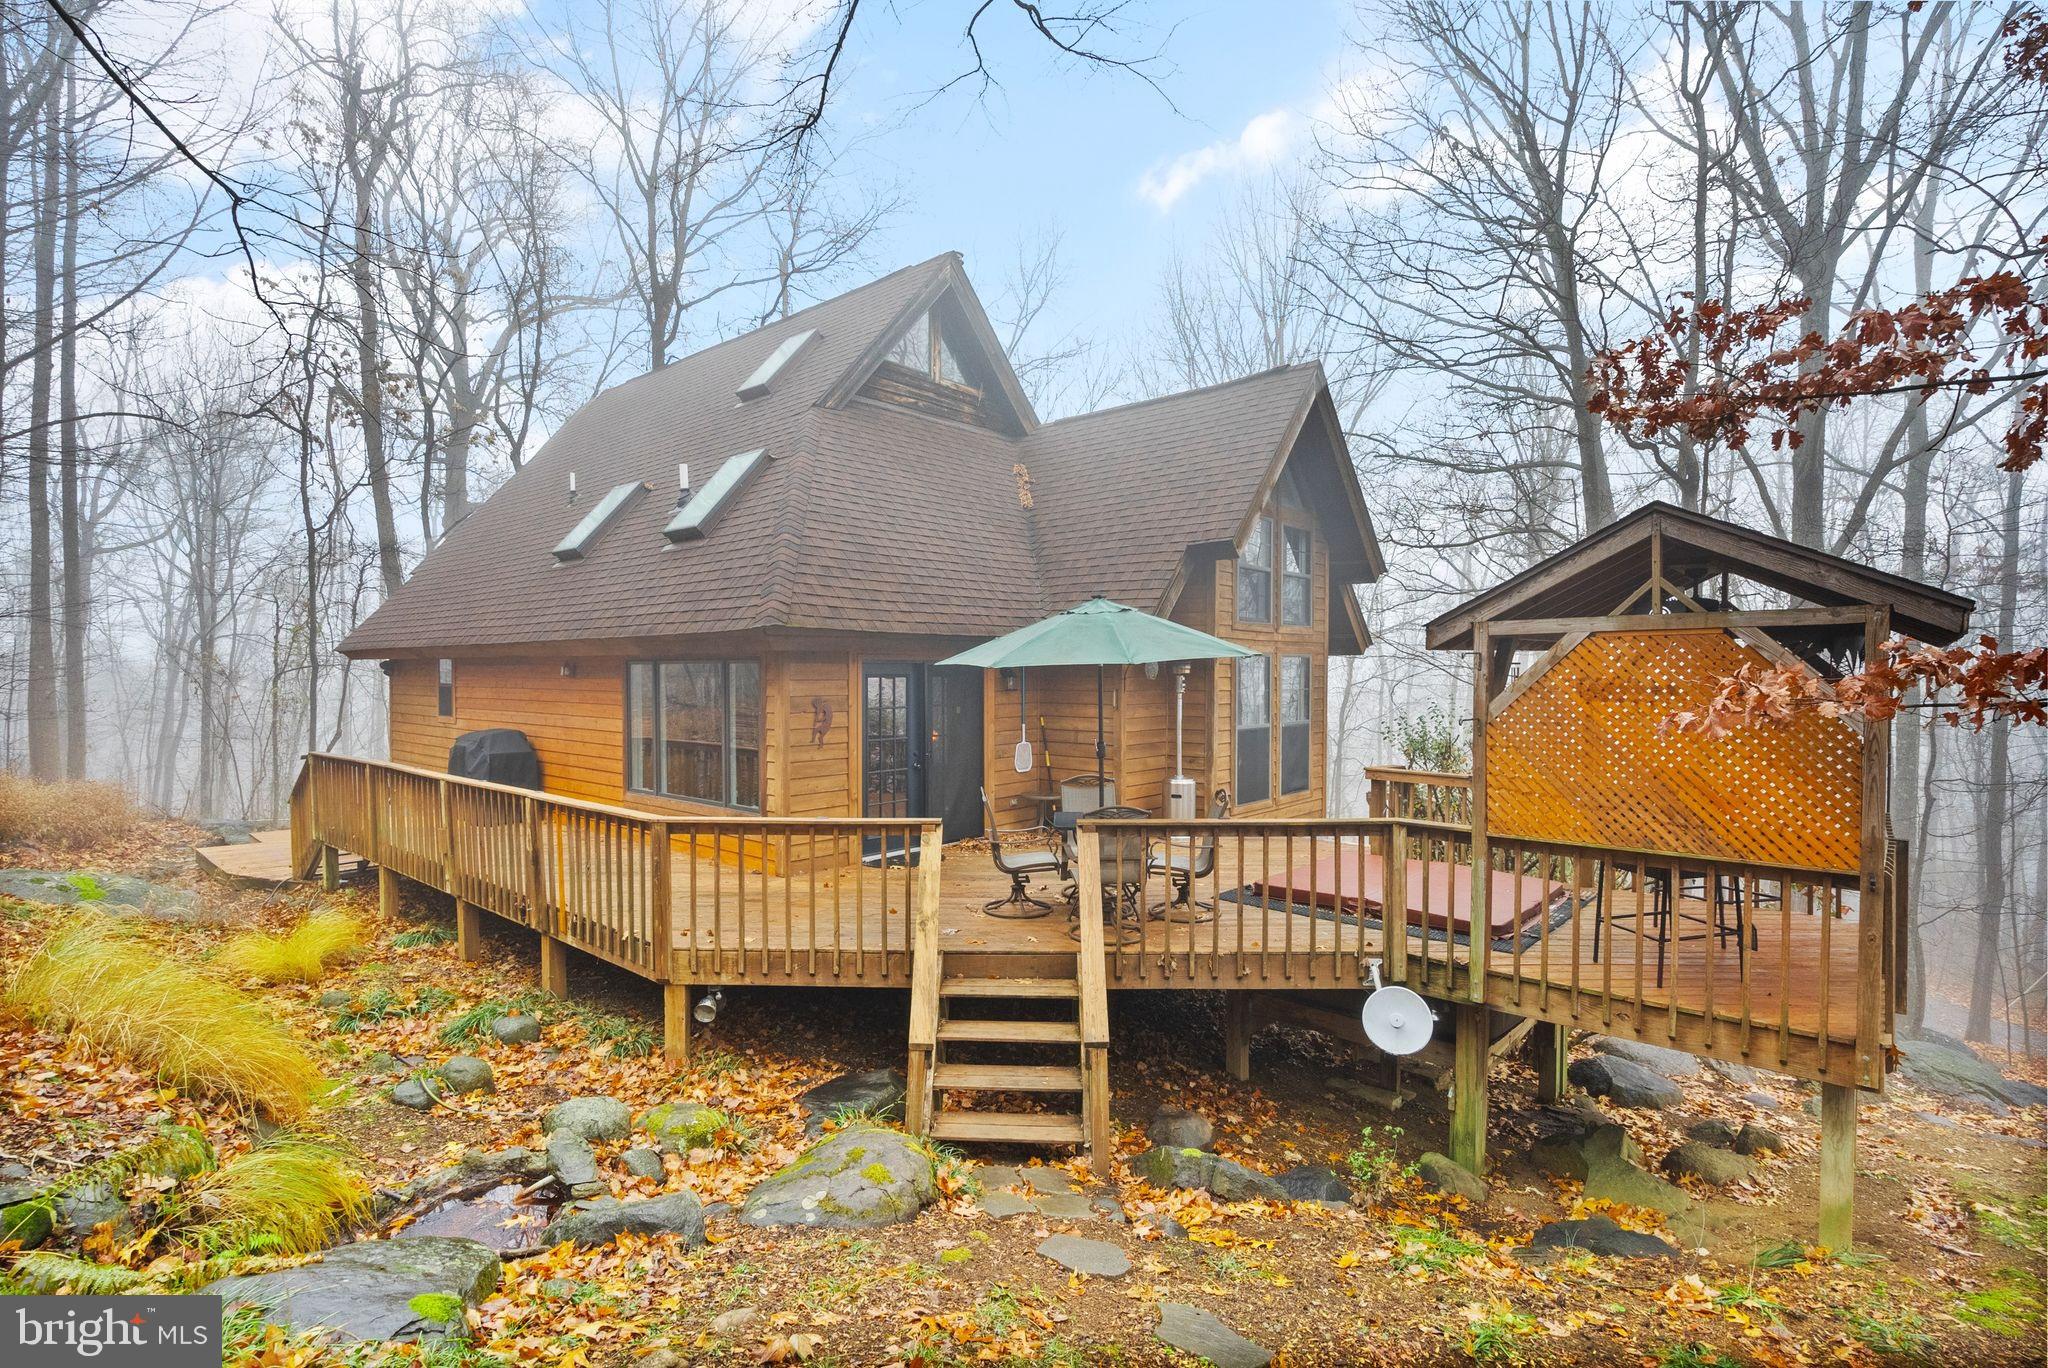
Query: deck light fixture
708	1007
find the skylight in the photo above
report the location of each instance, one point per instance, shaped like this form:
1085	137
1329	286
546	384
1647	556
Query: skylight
572	547
764	375
693	519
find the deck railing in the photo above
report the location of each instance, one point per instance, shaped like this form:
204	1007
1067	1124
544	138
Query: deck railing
1418	795
1773	966
1786	968
673	898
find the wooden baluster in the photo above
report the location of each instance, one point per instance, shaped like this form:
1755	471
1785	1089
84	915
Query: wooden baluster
1831	901
1393	902
1785	889
1749	887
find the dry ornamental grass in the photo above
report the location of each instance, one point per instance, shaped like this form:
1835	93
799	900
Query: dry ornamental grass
200	1036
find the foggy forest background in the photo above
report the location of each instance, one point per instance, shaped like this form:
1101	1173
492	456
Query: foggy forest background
288	290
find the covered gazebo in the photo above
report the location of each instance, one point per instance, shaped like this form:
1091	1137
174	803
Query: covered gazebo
1746	885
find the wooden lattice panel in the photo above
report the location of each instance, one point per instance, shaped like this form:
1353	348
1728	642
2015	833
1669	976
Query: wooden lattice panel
1579	758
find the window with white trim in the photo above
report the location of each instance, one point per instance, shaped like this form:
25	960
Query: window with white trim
1297	584
1254	706
1295	684
1255	574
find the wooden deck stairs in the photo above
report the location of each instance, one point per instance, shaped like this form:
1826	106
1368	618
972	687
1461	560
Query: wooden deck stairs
979	1016
1018	1048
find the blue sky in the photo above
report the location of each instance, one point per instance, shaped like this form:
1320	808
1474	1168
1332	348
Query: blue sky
1061	146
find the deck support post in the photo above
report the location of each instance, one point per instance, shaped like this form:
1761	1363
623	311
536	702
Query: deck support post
675	1023
1553	1055
554	966
1237	1034
1468	1086
1095	1109
387	892
1837	1165
330	868
469	931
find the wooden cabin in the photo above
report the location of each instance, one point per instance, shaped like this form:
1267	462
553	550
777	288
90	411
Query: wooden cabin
719	588
752	765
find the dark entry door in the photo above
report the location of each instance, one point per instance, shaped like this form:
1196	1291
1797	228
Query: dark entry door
921	745
953	769
892	739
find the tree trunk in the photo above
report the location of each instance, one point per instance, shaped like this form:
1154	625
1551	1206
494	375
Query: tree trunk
369	321
71	523
1991	871
44	760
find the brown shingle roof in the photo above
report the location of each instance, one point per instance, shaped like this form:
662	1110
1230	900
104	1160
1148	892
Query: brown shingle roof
866	517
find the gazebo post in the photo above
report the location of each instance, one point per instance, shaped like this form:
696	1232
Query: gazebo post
1837	1165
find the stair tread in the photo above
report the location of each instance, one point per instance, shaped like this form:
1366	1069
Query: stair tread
1018	1032
1009	988
1030	1127
1008	1077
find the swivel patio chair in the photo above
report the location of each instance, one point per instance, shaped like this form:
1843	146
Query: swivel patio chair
1184	867
1022	864
1122	874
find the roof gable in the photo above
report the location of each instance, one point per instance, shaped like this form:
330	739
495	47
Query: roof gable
1595	577
859	515
949	296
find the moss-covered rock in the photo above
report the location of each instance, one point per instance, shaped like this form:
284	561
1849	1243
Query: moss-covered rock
861	1176
1169	1167
680	1127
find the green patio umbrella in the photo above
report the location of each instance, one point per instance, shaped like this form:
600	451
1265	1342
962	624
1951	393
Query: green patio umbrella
1097	633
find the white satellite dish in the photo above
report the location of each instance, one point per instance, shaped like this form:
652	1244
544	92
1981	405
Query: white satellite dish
1397	1020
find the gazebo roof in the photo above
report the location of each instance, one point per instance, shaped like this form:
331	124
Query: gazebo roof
1596	575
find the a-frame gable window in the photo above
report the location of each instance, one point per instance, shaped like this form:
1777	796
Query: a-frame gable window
924	348
937	367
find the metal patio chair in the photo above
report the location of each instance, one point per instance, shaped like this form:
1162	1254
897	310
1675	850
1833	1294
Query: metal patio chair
1022	863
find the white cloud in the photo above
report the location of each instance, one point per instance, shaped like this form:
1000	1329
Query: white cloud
1265	139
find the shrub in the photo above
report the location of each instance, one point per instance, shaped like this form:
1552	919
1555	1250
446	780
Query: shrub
69	816
292	1194
300	956
198	1035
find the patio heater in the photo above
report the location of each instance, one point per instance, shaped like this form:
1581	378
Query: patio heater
1180	790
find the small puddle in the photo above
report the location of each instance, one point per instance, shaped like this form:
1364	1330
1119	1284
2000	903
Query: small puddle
499	1218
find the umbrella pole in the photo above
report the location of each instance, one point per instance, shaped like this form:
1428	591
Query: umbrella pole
1101	780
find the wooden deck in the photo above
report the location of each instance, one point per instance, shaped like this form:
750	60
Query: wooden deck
850	926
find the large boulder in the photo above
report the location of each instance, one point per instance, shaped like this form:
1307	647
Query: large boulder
117	895
1166	1167
1595	1235
1180	1128
680	1127
91	1205
575	1166
1609	1163
1446	1175
587	1224
1708	1163
466	1074
590	1118
1313	1183
1961	1077
1655	1058
1624	1082
398	1289
877	1094
860	1176
516	1028
1754	1139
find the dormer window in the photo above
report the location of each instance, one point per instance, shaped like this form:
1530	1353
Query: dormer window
923	348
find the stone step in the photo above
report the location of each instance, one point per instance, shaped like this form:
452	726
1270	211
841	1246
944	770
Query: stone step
1030	1128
